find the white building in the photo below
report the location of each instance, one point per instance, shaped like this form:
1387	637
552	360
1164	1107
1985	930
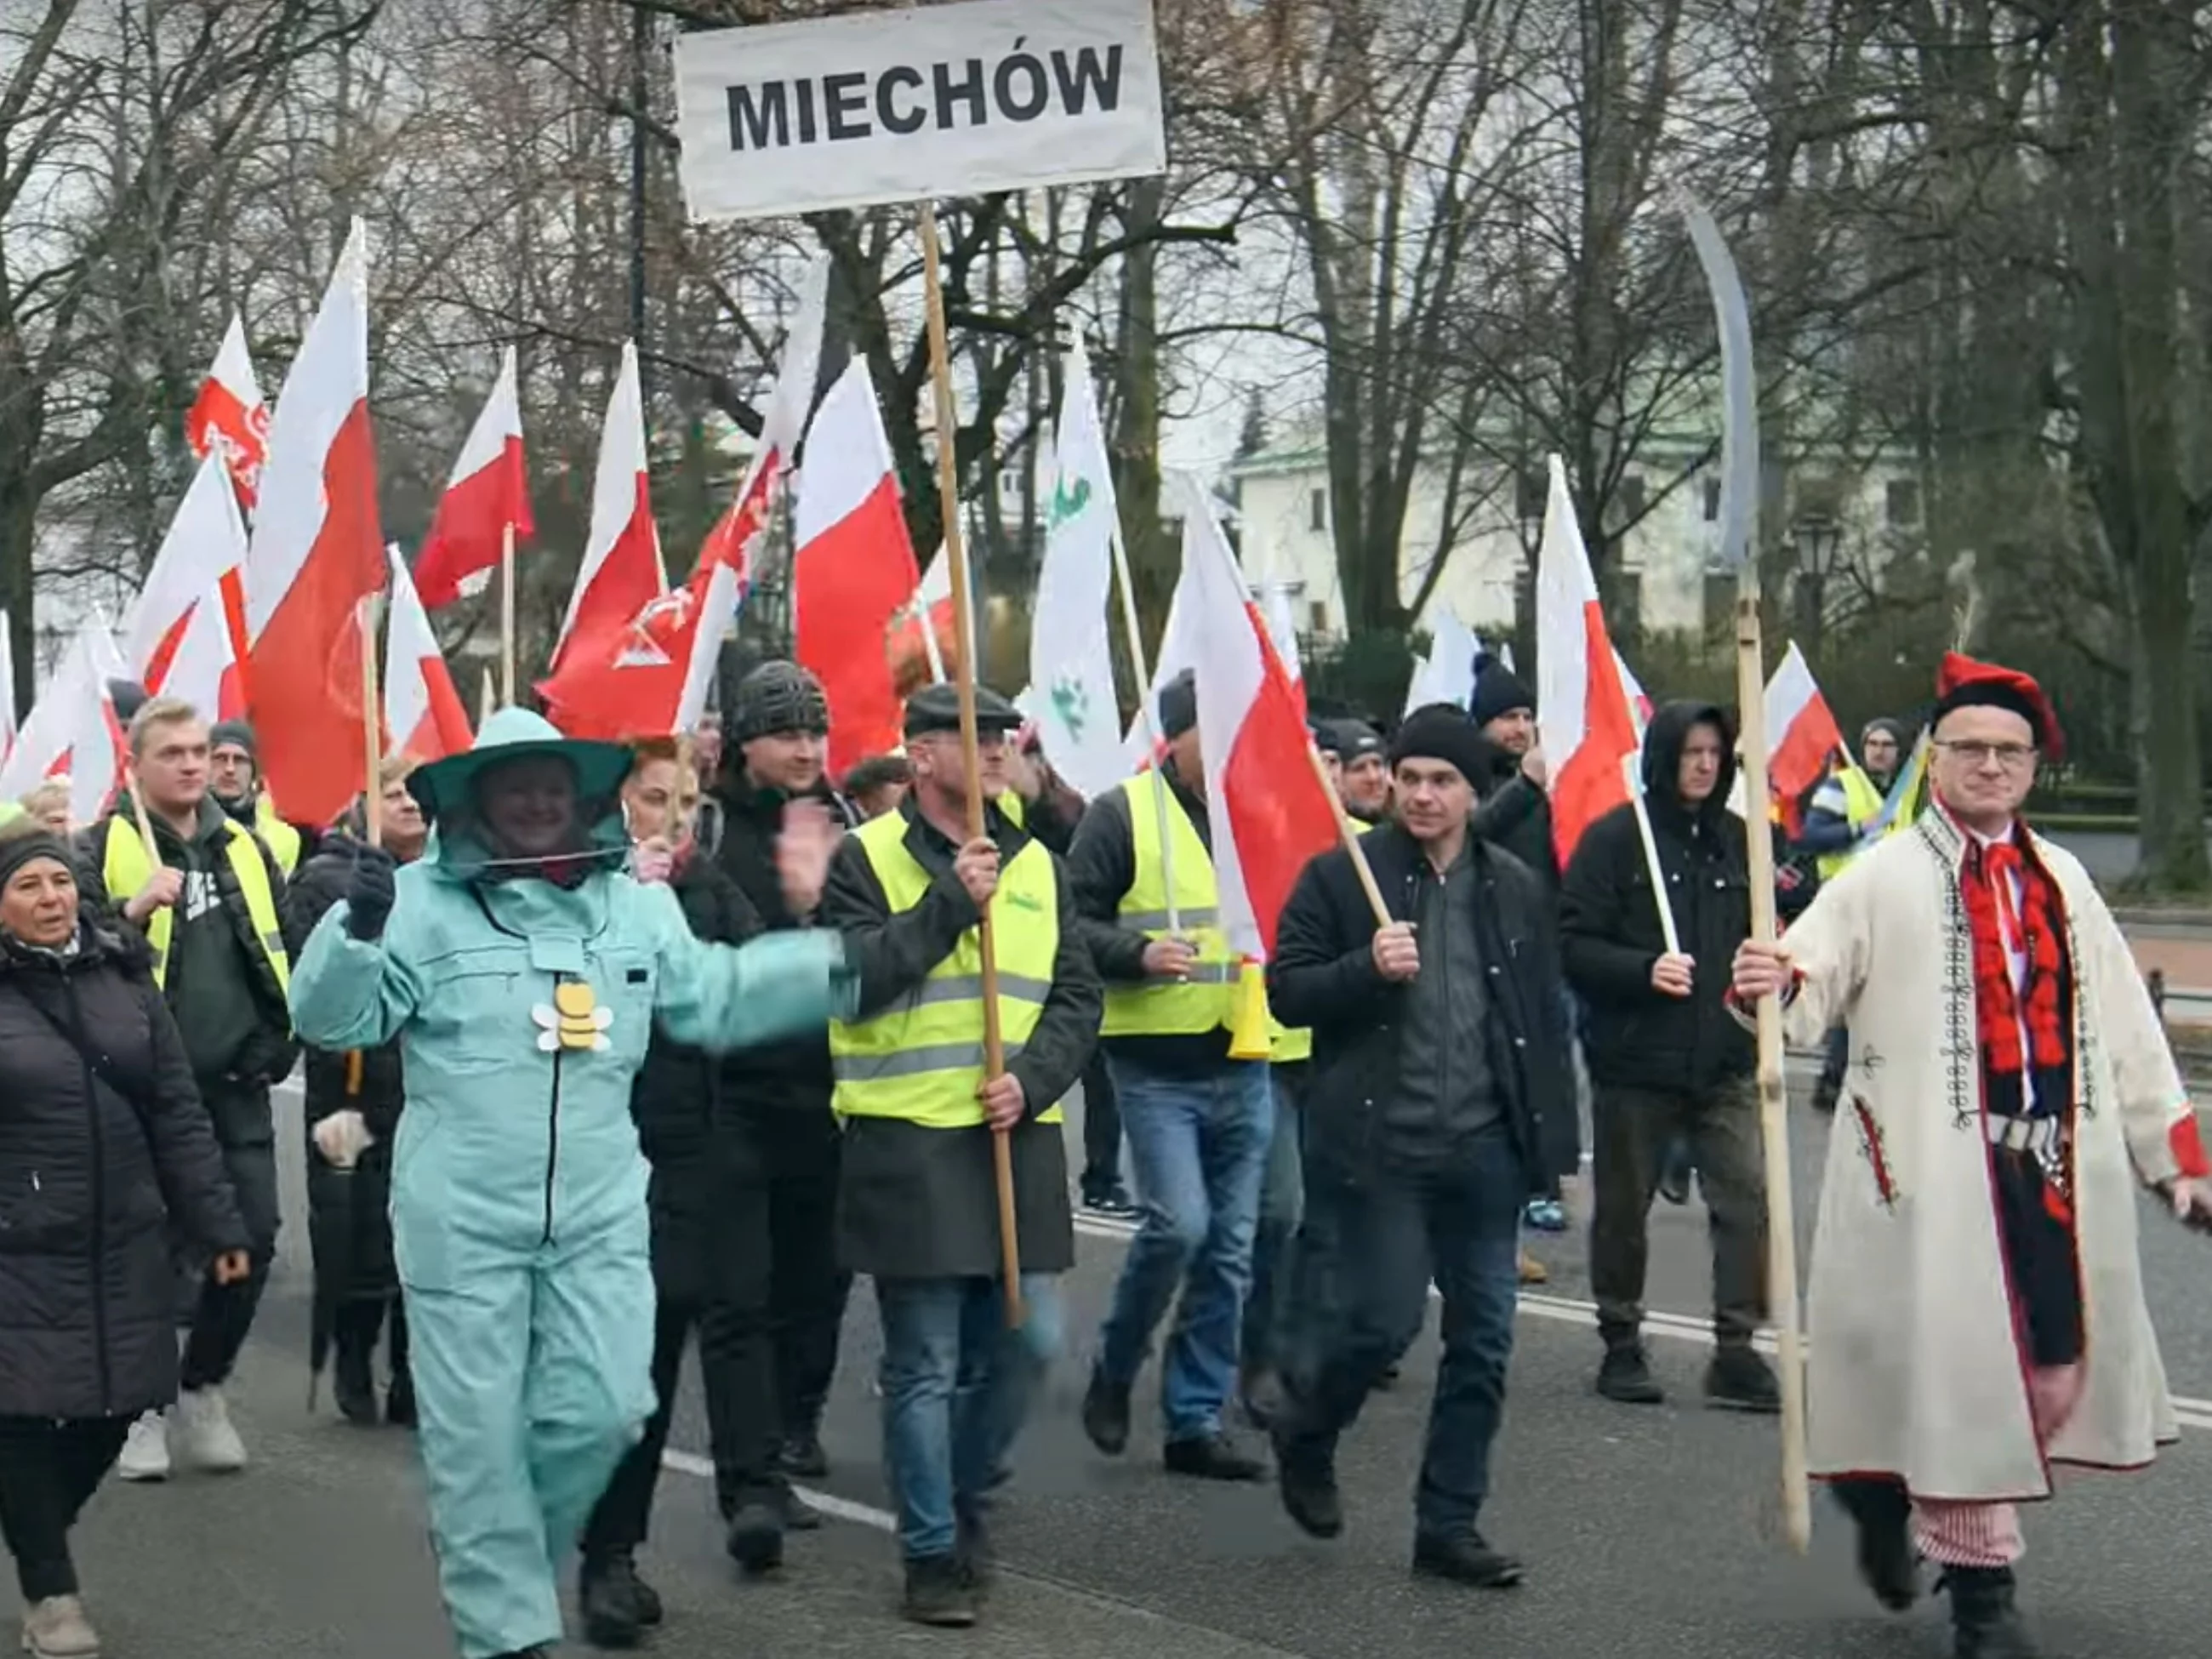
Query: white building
1845	518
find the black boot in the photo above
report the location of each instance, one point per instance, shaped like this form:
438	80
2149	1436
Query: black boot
1984	1622
1465	1558
755	1538
1305	1478
1887	1561
353	1373
972	1552
937	1593
1739	1380
399	1398
607	1590
1625	1377
802	1456
1106	1414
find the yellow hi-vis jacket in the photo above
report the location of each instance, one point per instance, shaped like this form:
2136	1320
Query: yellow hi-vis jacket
282	840
1862	805
125	867
1207	999
921	1058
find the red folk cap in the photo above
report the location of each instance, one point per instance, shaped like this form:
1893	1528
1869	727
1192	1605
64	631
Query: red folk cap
1963	683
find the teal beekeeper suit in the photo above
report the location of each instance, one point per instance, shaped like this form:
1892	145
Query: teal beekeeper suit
518	1190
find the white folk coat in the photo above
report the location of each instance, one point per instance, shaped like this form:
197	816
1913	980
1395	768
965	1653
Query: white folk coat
1915	1370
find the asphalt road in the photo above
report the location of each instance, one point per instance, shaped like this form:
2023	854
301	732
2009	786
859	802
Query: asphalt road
1652	1533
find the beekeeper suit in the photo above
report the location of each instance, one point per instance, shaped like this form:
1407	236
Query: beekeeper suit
522	973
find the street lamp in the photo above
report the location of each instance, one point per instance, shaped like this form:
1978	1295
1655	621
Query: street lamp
1819	537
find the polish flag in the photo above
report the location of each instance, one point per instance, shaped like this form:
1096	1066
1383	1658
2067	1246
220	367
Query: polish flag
205	543
1271	813
423	712
203	670
1639	700
1803	737
1585	718
72	729
652	677
621	572
487	497
315	555
229	418
854	573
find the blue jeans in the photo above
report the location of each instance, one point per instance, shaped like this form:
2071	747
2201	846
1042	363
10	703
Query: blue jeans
1273	1302
1380	1241
1199	1146
957	1389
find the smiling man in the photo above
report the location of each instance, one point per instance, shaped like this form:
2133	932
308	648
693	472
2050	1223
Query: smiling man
1976	1308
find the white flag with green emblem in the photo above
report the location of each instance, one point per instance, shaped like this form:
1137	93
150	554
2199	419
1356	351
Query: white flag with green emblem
1071	655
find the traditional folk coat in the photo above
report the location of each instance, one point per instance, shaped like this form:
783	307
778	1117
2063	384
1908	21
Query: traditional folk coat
1916	1370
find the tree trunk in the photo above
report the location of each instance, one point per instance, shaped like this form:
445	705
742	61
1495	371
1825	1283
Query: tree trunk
1155	561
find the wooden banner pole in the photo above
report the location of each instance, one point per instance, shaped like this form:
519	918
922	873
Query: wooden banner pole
506	614
371	726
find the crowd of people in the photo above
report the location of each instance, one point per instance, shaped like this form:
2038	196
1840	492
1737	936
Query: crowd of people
610	1048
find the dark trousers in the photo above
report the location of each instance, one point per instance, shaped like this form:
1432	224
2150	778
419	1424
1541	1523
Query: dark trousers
1101	1129
1273	1304
1376	1243
807	1290
360	1321
1836	1061
1633	1129
223	1315
48	1470
620	1521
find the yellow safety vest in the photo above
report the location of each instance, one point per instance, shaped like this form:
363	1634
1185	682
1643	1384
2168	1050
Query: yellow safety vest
1016	809
126	868
1287	1044
921	1059
1862	805
1207	999
280	837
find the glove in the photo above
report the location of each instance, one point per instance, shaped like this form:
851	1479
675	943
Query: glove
369	899
342	1138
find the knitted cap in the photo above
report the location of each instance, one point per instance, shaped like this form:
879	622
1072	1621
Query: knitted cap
777	696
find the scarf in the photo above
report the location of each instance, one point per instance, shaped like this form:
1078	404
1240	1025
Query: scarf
2000	928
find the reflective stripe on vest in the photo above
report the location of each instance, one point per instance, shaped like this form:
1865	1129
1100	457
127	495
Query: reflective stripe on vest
282	839
921	1059
1207	999
126	869
1862	805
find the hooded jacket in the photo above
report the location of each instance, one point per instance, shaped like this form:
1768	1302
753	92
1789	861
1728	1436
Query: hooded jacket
103	1145
1610	931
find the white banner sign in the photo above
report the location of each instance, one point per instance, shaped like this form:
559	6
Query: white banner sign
901	105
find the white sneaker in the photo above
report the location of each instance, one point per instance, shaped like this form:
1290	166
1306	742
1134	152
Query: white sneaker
57	1628
145	1450
210	1442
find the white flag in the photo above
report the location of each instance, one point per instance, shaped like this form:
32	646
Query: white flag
1071	650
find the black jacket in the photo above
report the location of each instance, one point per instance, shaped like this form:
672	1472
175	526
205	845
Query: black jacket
1515	816
1101	865
102	1140
349	1219
1609	926
918	1202
1323	976
770	1078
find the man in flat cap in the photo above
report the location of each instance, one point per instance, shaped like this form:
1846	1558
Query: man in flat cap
919	1104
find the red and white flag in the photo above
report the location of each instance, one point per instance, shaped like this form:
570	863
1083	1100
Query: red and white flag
853	572
652	679
621	572
72	729
1803	737
316	554
1271	813
422	713
229	417
1585	720
487	498
203	670
204	546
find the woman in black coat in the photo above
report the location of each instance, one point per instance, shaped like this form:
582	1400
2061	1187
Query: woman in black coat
103	1140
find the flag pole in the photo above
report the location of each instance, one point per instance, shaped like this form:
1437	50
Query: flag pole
1350	837
1741	484
1144	679
507	611
372	723
1631	767
956	551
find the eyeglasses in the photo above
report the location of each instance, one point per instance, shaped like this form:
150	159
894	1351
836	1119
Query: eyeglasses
2012	756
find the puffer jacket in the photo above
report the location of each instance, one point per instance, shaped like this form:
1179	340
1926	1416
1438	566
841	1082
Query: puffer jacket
103	1140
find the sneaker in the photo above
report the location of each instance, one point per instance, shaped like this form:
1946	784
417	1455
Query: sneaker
1545	1215
1533	1271
1112	1205
145	1450
57	1628
755	1538
1739	1380
1465	1559
802	1456
210	1441
937	1593
1106	1414
1625	1377
606	1593
1215	1456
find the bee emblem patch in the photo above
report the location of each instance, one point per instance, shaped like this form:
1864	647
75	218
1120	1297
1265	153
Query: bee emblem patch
575	1021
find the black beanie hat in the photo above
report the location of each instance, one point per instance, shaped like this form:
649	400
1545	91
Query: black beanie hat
776	696
1498	690
1443	731
19	845
235	732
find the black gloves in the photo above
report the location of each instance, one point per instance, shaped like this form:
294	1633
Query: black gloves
369	899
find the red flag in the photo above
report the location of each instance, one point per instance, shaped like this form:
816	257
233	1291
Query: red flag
620	573
316	555
1586	723
854	571
229	417
488	494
